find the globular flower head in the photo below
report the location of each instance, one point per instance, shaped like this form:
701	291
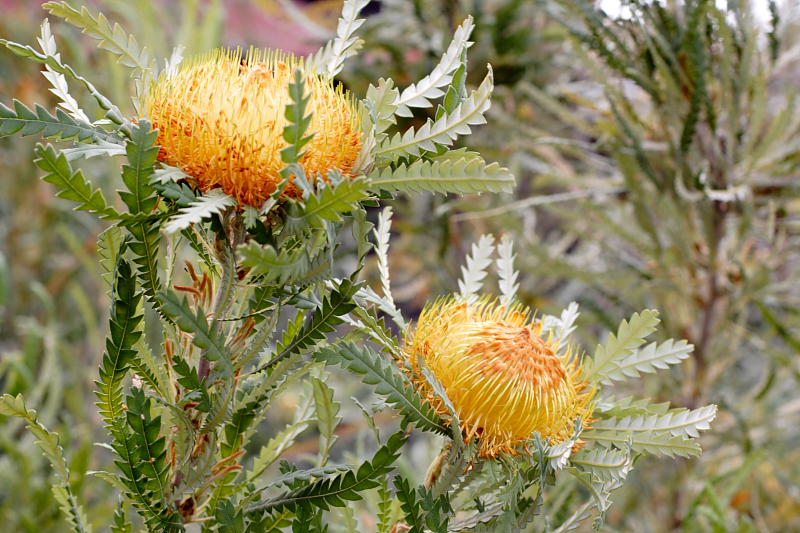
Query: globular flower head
505	380
221	119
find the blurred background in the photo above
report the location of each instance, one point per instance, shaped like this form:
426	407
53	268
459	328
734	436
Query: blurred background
656	146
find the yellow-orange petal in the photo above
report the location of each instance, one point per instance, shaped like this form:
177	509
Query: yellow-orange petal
504	379
221	119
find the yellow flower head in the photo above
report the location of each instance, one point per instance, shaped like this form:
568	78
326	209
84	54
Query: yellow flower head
221	118
504	379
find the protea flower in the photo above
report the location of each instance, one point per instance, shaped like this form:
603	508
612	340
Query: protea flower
221	119
505	380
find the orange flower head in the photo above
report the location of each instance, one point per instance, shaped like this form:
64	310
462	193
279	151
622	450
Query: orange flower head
221	119
504	379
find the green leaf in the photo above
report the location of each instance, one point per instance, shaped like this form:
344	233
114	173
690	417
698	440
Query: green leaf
211	203
228	518
54	63
333	200
654	443
150	445
330	58
323	320
605	463
346	486
205	336
385	514
121	523
294	476
112	38
38	120
298	266
649	359
389	381
124	333
444	131
474	272
628	406
144	245
294	133
144	465
109	244
181	193
328	418
87	151
48	442
137	174
630	336
465	175
72	185
380	102
414	514
141	199
677	422
271	451
430	87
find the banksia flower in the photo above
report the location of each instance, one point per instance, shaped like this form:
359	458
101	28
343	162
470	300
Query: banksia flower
221	119
504	379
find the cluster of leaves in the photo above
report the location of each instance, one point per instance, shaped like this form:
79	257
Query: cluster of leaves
215	360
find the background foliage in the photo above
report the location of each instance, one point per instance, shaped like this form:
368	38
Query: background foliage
656	159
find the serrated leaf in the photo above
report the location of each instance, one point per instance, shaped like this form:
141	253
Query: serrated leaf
297	122
389	381
108	248
206	337
72	185
213	202
333	200
181	193
382	234
58	81
465	175
430	87
474	272
328	417
649	359
49	444
275	447
112	38
657	444
605	463
305	475
124	333
677	422
336	490
506	273
629	406
443	131
380	103
54	63
141	199
561	327
137	173
86	151
629	337
61	126
329	60
323	320
282	267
